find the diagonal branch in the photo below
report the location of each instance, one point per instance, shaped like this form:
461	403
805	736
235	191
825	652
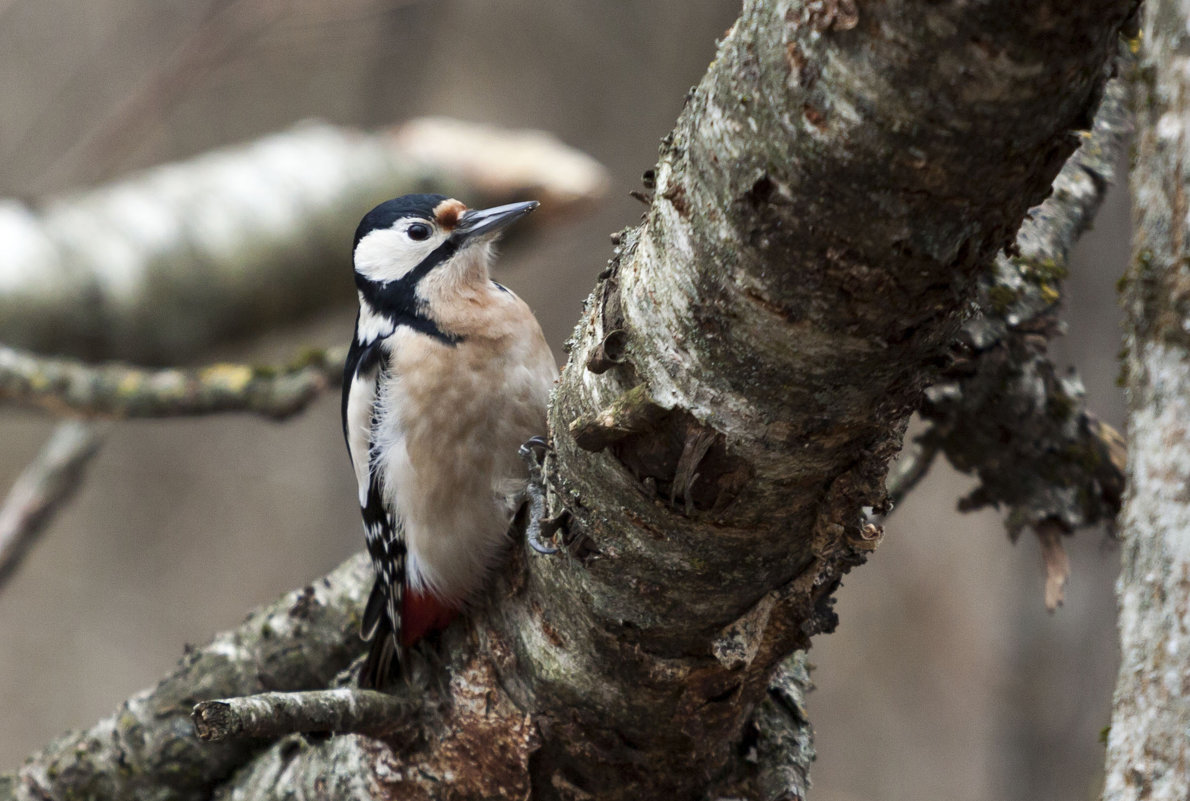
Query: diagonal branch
148	749
789	296
47	484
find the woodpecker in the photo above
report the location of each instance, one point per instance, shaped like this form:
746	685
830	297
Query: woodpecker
447	375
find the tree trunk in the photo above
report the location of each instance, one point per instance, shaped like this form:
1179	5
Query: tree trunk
1148	752
820	213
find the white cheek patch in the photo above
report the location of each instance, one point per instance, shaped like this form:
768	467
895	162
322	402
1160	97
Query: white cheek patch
389	254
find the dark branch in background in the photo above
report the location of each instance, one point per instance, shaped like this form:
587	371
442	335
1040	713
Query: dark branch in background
42	489
124	391
1002	410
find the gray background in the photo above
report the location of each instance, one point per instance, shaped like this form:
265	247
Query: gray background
946	680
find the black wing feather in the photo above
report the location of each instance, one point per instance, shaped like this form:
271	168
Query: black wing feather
381	621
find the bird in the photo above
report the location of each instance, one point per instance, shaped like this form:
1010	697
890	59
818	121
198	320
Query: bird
448	373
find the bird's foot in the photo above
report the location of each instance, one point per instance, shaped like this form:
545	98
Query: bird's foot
539	528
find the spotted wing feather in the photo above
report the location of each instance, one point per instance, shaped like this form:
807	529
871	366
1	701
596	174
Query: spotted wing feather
381	621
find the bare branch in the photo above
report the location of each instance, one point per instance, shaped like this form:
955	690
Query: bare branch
124	391
272	715
42	489
1056	561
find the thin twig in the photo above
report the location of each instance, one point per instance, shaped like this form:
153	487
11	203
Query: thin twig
272	715
42	489
912	466
124	391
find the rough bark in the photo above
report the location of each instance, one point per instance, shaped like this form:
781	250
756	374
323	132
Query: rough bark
1148	753
831	194
156	267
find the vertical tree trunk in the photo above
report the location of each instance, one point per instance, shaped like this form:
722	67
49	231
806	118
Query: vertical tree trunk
1149	744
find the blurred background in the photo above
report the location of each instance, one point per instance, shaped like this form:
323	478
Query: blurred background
946	679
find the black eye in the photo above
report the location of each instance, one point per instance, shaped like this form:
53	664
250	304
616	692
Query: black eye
418	231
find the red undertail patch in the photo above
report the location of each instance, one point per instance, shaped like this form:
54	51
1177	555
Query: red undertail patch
422	613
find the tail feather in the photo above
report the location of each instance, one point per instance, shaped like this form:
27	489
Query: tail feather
420	613
373	613
382	664
384	657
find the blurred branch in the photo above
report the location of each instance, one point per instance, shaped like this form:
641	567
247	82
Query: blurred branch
1001	410
119	390
42	489
342	711
157	266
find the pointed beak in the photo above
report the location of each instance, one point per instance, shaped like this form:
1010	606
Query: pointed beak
478	223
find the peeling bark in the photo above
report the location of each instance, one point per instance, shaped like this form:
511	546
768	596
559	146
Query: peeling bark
1148	747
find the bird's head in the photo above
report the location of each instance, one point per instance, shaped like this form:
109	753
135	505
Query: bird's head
404	241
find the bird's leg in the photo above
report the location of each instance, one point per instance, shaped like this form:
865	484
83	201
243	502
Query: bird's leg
538	527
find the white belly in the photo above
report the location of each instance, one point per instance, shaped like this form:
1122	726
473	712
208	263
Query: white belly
450	421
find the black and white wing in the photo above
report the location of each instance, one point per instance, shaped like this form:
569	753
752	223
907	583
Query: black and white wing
363	374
